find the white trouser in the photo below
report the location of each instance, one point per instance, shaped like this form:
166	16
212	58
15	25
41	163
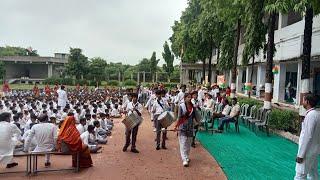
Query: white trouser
185	145
308	169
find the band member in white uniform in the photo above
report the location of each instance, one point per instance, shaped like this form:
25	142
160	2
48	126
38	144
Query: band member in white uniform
132	106
159	106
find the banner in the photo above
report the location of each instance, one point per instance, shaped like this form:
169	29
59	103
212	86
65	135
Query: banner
221	81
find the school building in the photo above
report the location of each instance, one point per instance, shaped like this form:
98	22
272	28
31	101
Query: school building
30	69
287	59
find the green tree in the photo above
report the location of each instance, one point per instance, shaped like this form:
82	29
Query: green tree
2	70
17	51
255	32
272	8
77	64
97	69
168	58
309	7
153	65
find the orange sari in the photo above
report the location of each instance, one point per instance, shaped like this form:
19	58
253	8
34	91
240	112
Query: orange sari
71	137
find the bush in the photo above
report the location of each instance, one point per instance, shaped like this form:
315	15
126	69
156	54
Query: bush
81	82
283	119
113	83
250	101
170	85
67	81
130	82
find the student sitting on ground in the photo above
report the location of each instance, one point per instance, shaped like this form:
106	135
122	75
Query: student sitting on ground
88	138
109	122
232	117
100	133
82	126
115	112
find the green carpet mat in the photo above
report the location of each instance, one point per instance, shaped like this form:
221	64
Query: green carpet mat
251	156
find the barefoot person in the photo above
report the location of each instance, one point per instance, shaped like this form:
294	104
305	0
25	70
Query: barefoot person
309	141
8	140
132	106
185	128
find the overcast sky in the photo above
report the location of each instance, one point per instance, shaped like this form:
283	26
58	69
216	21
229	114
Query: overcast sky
117	30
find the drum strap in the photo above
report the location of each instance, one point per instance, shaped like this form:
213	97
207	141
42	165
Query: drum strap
160	104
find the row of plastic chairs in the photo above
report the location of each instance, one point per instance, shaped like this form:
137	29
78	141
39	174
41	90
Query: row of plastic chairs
253	117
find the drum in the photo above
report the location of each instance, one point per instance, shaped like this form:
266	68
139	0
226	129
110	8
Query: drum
166	119
132	120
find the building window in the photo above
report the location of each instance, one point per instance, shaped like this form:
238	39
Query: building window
293	17
244	76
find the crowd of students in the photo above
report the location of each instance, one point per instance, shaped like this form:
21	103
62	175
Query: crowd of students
76	120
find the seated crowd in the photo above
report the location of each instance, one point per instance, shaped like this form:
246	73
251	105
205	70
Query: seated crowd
41	124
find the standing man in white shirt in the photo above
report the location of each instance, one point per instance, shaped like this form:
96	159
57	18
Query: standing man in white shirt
62	97
180	96
132	106
8	139
159	106
309	141
45	135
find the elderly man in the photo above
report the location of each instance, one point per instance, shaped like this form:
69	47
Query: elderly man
309	141
8	139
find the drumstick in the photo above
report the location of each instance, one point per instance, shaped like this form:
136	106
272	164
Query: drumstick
168	130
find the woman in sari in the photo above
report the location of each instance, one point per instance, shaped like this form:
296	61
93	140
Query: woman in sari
70	136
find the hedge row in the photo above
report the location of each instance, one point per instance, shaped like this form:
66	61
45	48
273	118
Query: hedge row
286	120
69	81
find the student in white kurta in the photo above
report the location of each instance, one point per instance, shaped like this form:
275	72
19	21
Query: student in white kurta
62	97
309	142
45	135
8	139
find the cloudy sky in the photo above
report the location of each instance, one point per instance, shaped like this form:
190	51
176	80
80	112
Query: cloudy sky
116	30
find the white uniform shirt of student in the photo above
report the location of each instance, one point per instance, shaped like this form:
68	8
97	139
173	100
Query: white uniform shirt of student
8	139
131	106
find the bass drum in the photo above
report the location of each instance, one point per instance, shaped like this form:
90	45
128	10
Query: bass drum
166	119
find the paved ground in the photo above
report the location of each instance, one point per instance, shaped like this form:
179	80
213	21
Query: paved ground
112	163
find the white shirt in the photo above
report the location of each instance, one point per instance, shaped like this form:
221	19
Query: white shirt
8	139
86	138
159	107
131	107
309	141
81	128
45	135
62	98
179	98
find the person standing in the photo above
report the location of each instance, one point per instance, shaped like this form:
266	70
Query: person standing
133	106
8	139
159	106
309	141
184	127
62	97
